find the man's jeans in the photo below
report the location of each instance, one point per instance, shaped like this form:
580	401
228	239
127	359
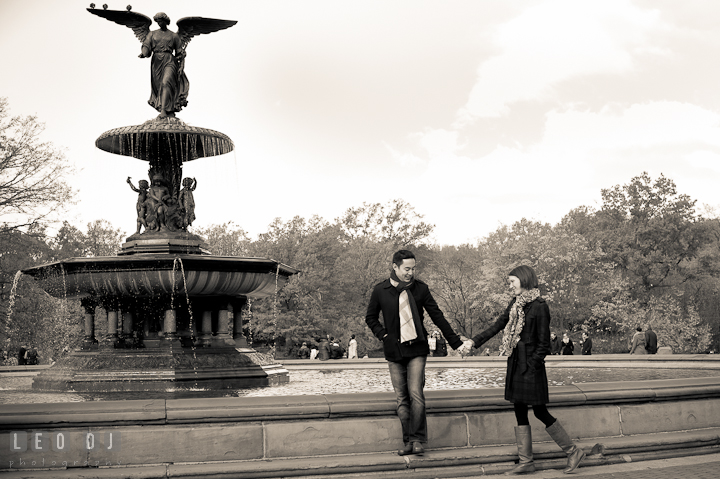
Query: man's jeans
408	380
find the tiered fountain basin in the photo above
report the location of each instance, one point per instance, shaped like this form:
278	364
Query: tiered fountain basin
149	140
173	321
152	275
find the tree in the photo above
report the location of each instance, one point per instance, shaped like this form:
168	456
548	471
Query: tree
649	231
677	327
453	274
397	223
18	251
29	316
301	307
69	242
226	239
32	172
102	239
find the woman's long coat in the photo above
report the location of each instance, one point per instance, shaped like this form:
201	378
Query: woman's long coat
638	343
526	381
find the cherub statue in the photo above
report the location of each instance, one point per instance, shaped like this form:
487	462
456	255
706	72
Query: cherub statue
169	84
140	207
187	201
160	202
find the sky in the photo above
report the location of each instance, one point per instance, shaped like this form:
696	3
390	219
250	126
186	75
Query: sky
476	113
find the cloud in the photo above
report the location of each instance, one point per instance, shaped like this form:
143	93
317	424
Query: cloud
580	153
555	41
641	125
706	160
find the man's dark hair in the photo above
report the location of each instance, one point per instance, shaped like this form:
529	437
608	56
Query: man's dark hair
526	275
402	255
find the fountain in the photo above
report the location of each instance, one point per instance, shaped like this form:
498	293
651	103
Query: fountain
164	283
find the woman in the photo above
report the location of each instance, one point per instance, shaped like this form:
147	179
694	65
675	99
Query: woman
352	348
526	339
637	346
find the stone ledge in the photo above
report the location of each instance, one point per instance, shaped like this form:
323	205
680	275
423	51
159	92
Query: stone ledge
208	410
150	411
435	463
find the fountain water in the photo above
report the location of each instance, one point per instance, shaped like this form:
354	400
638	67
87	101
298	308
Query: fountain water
151	342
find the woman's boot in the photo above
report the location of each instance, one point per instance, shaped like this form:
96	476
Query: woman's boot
523	437
574	453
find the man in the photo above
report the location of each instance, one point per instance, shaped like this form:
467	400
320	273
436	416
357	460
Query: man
650	340
586	344
402	299
555	344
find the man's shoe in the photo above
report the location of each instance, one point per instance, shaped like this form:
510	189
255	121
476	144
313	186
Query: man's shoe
417	448
407	449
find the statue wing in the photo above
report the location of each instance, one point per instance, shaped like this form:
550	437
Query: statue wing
188	27
139	23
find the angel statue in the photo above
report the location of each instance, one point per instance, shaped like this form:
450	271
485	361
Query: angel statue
169	84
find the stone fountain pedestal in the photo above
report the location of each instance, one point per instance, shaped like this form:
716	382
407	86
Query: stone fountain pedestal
163	369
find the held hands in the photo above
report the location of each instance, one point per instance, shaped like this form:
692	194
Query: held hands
466	347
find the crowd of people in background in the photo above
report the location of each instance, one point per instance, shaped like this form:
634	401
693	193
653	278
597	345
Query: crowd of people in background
642	342
329	348
26	356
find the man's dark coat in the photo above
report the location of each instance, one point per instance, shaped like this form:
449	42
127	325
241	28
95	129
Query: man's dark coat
385	299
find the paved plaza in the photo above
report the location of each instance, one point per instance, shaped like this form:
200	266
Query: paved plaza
692	467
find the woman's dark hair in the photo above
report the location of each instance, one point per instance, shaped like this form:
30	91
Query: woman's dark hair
526	275
639	328
402	255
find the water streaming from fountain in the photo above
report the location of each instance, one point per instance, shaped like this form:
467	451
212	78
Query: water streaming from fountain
11	305
191	325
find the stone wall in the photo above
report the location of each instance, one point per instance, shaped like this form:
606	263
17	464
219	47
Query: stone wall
463	422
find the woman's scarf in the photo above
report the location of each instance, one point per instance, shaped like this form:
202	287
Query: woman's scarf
511	335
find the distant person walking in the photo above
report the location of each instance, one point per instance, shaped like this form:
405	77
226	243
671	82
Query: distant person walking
352	348
650	340
323	350
585	344
637	344
567	346
21	356
555	344
526	340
